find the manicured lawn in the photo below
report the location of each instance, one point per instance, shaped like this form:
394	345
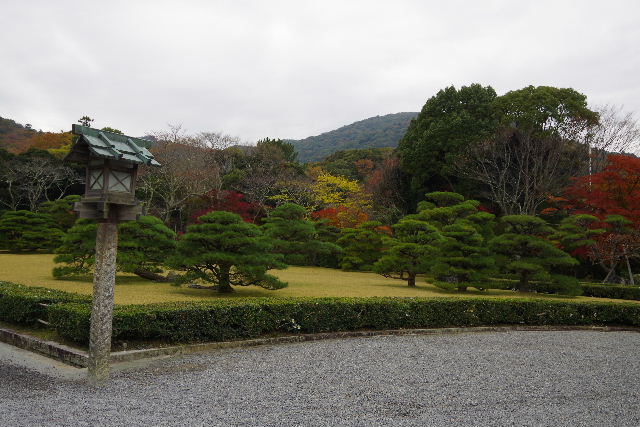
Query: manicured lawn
35	270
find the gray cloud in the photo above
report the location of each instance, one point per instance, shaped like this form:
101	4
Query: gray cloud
297	68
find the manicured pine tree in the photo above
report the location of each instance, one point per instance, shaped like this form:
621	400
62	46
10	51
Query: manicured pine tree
410	252
294	236
26	231
576	232
77	251
461	258
226	251
143	247
61	211
329	234
523	250
362	246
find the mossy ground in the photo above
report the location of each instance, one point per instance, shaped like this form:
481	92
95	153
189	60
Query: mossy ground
35	270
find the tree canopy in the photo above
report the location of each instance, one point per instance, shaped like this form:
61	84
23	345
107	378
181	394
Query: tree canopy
294	236
25	231
446	125
226	251
143	247
410	251
522	250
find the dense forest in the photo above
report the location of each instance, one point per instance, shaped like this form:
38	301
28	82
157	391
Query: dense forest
374	132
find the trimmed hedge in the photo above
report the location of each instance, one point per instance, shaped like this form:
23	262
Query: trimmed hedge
611	291
241	319
21	304
597	290
223	320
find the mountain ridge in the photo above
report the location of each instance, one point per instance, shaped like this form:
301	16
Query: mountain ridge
373	132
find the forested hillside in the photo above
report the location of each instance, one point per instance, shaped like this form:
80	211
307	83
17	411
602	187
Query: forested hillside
374	132
14	137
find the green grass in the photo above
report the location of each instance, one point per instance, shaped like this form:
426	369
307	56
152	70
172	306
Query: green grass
35	270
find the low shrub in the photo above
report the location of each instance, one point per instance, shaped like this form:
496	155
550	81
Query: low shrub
611	291
242	319
22	304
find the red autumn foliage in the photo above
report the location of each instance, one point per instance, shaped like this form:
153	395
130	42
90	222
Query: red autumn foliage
614	191
230	201
342	216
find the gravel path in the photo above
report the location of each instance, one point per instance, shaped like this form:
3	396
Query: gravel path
566	378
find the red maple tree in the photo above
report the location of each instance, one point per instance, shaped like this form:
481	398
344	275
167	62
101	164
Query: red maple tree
614	191
605	195
230	201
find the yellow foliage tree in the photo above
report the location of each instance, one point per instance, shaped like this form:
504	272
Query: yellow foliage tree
335	190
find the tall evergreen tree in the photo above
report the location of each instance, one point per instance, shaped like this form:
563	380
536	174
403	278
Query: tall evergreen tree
447	124
226	251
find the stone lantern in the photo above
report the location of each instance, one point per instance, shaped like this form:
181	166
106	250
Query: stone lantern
111	162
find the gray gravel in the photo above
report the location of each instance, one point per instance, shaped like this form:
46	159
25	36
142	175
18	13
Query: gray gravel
565	378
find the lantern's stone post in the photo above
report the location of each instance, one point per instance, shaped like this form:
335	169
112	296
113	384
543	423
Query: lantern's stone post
111	161
102	310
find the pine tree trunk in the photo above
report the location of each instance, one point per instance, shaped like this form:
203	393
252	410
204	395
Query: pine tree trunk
411	280
225	281
524	286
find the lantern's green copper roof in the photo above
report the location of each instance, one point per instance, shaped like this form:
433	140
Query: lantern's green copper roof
113	146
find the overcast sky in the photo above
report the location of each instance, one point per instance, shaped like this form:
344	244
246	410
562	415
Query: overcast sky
291	69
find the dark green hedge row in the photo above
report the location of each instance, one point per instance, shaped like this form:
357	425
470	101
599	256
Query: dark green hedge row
21	304
228	320
611	291
598	290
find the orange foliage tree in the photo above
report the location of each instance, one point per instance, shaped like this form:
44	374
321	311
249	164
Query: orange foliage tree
342	216
613	196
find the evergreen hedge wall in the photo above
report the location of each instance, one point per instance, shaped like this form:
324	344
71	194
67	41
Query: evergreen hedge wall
611	291
229	320
221	320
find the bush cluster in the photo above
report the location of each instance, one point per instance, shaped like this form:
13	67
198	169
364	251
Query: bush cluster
22	304
229	320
